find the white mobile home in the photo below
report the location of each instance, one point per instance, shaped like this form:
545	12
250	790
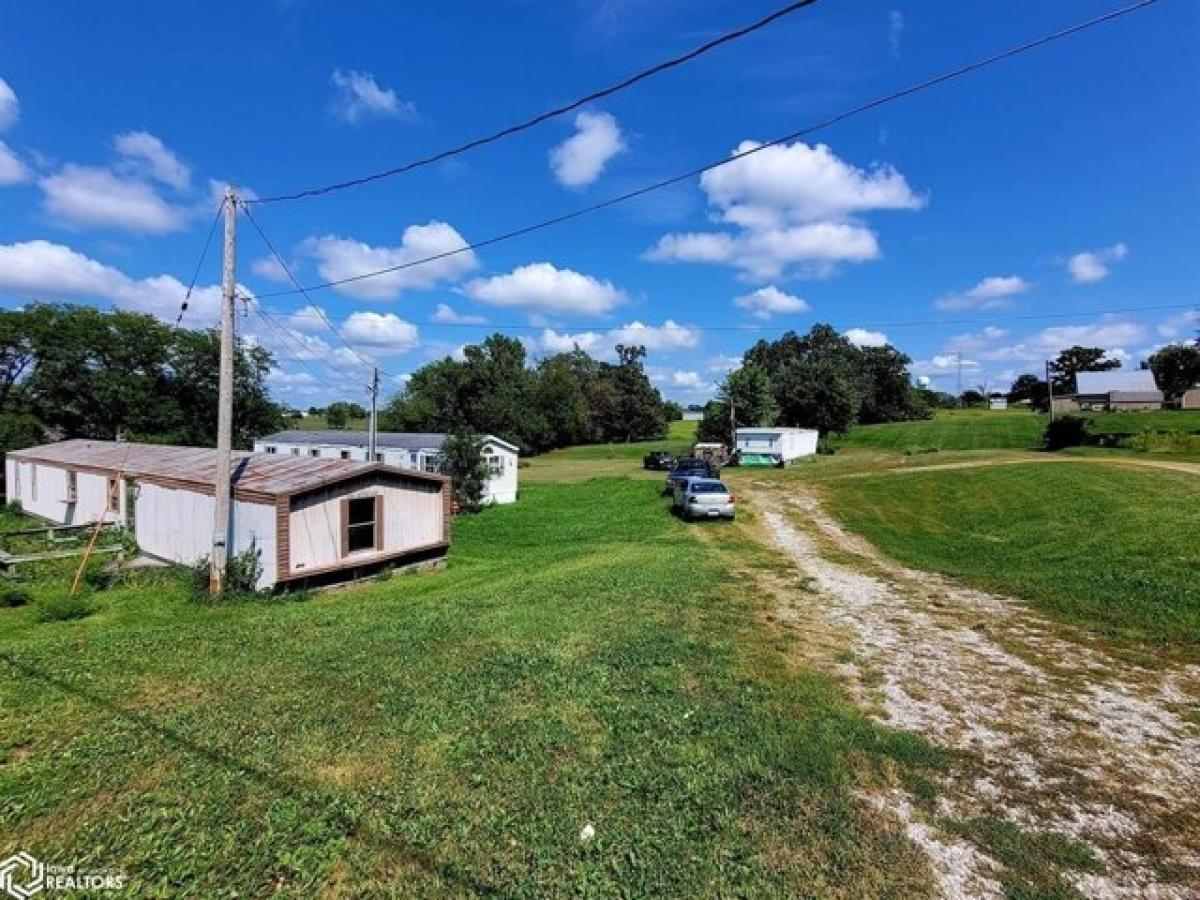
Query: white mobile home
775	445
418	451
309	518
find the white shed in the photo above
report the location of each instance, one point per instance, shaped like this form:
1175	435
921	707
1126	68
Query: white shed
309	518
418	451
782	445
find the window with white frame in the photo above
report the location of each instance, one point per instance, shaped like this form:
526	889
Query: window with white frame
495	464
72	486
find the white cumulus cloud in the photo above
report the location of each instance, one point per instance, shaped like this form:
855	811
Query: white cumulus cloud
542	287
1092	266
380	331
555	342
792	206
10	107
339	258
990	293
45	270
668	336
689	381
270	268
861	337
447	315
579	160
12	170
145	154
92	196
770	300
358	96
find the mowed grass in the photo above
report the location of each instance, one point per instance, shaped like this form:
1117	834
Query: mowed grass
583	660
1013	429
592	460
1111	548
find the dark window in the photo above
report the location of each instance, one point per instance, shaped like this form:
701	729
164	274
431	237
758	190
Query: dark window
114	495
360	524
345	454
315	451
270	448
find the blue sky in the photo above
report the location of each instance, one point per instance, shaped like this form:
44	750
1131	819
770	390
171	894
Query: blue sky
1061	182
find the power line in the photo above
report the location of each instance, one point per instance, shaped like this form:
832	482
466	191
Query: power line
693	173
203	253
763	328
320	313
661	67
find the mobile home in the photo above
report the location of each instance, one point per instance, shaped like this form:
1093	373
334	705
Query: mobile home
308	518
775	446
418	451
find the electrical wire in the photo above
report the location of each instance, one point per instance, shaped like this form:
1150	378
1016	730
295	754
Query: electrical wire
661	67
693	173
320	313
775	327
203	253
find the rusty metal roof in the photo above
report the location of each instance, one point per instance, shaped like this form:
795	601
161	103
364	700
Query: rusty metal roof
252	472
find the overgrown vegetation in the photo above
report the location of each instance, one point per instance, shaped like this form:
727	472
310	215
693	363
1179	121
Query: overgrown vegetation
462	460
242	572
1113	549
453	733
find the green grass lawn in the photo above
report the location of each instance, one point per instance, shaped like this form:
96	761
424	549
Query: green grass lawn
318	423
1111	548
583	659
1013	429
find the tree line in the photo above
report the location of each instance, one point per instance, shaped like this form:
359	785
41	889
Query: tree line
77	371
565	399
817	380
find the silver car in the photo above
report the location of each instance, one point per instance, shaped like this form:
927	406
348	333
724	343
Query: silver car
703	498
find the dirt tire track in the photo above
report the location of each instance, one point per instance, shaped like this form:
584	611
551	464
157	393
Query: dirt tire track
1066	738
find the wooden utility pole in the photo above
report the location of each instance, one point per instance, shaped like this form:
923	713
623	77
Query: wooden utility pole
372	422
222	488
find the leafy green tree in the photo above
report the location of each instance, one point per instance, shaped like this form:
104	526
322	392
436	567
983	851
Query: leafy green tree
337	414
752	396
1030	387
559	394
818	391
462	459
886	393
1176	368
1078	359
672	411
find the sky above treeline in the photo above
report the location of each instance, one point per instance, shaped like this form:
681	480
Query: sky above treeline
1050	200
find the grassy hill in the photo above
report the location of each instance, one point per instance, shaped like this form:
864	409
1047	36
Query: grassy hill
1015	429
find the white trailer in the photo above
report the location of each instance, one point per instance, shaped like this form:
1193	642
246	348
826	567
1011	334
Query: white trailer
780	445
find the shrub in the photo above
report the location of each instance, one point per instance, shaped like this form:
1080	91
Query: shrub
242	572
12	597
1065	431
64	608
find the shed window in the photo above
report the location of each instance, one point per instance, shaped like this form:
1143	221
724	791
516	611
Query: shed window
495	465
114	495
72	486
33	481
345	454
362	524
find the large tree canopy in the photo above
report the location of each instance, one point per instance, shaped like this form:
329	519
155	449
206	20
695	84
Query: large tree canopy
1176	368
569	398
1078	359
84	372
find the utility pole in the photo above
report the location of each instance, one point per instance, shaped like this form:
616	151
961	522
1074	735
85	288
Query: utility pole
1050	388
222	487
372	423
960	396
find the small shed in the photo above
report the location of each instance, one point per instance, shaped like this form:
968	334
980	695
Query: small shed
998	403
1190	399
777	446
309	518
417	451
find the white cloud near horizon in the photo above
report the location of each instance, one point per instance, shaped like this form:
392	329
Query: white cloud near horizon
447	315
544	288
145	154
12	169
339	258
861	337
358	96
581	158
385	332
1092	266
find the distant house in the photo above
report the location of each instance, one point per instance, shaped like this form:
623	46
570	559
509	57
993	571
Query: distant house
693	415
1190	399
418	451
309	518
774	446
1120	389
998	403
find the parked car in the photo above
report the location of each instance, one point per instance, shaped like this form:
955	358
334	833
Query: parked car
703	498
688	466
658	459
